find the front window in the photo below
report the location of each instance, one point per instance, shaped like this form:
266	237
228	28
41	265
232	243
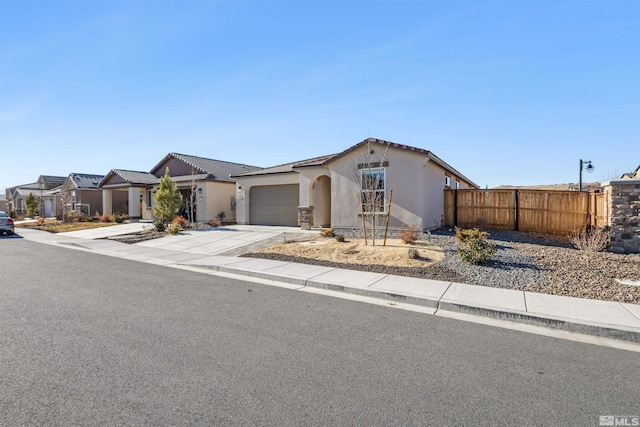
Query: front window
457	184
447	181
373	190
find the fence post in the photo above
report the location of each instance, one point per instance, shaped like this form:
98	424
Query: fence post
516	225
455	208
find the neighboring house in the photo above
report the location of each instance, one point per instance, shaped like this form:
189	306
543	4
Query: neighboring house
632	175
80	193
328	188
3	203
207	181
128	192
16	195
50	196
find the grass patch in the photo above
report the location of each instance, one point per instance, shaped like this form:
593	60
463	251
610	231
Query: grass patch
75	226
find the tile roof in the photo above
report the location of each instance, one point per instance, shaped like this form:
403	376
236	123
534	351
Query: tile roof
216	169
136	177
51	178
287	167
324	160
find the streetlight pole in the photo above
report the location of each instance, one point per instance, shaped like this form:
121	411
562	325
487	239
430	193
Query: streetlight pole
589	167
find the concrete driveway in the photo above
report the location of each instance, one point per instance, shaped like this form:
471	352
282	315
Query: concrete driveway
230	240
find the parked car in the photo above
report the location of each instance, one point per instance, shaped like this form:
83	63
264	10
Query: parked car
6	224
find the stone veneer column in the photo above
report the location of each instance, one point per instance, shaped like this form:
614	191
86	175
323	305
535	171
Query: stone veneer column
623	214
305	217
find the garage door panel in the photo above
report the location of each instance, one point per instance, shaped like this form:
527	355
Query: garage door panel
274	205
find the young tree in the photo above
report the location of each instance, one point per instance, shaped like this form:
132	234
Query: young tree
370	182
168	199
192	196
32	205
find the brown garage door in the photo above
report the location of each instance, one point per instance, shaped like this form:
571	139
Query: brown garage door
274	205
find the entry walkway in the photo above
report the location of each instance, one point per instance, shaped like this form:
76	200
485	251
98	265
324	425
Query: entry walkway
199	251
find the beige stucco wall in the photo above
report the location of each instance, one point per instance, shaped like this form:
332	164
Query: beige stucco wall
417	183
244	185
216	198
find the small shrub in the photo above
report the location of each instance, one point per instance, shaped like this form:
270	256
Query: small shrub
475	247
221	216
106	218
19	217
339	238
40	221
181	221
413	253
329	232
409	235
120	217
590	239
159	225
215	223
174	229
74	216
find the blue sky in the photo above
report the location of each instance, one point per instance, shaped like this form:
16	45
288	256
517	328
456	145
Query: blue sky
507	92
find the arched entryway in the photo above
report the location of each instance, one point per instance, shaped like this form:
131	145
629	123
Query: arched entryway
321	201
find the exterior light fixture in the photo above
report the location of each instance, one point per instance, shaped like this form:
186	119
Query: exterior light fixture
584	164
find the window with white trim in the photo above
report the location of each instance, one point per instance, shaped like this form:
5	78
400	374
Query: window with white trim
374	186
447	181
457	184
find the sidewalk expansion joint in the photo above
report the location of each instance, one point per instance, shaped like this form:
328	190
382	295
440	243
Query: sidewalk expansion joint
631	312
441	296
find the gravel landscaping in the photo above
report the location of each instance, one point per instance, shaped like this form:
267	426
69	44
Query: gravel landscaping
524	261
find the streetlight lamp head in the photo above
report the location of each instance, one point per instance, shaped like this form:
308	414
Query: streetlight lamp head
589	167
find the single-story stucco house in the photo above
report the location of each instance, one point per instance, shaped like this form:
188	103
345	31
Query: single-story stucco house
207	181
327	191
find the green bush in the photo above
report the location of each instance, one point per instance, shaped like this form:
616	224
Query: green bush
159	225
174	229
474	246
120	217
339	238
413	253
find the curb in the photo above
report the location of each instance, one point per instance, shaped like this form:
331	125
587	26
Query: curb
568	325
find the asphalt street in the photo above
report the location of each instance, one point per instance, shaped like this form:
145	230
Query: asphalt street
87	339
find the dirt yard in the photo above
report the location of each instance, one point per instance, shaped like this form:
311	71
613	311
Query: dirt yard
354	251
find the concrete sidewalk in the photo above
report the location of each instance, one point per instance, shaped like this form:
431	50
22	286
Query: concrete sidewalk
197	250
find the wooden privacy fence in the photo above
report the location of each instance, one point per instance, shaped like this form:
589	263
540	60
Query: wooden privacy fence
544	211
